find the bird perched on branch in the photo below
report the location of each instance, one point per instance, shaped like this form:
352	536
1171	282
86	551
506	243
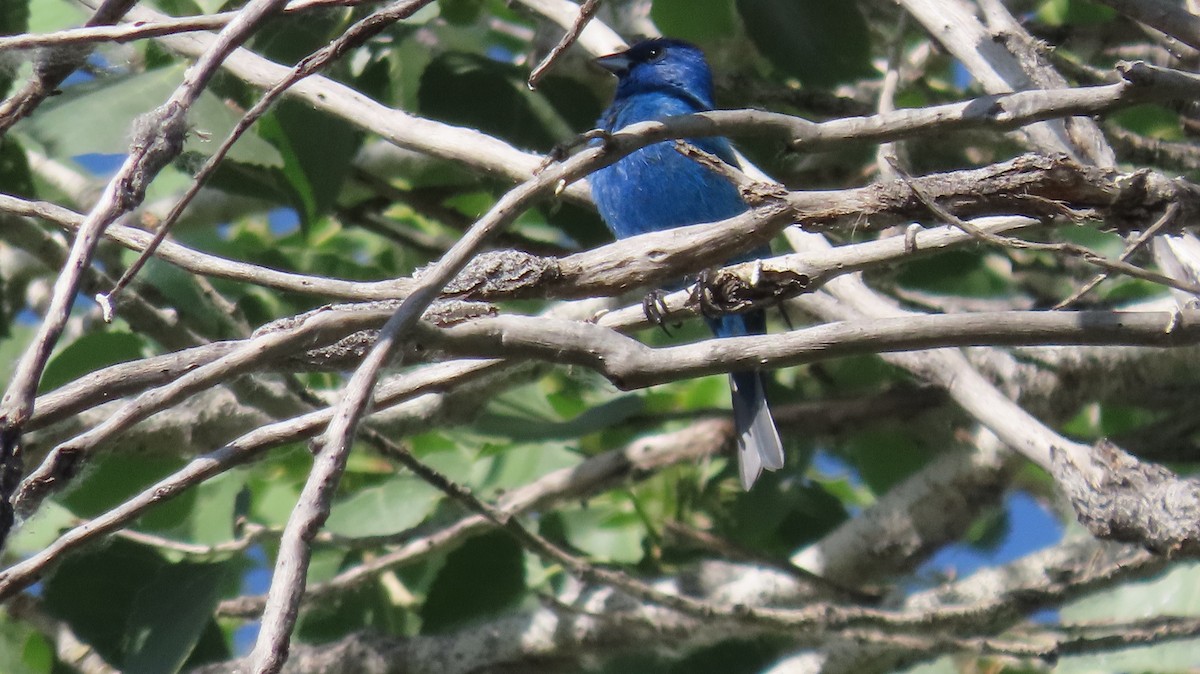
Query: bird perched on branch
658	188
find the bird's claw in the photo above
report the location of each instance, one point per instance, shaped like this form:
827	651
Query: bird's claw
654	305
558	153
704	295
562	150
595	134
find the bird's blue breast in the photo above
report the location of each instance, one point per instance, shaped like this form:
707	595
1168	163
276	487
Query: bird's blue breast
656	187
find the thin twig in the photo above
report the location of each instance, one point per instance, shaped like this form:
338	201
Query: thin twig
158	138
731	550
62	463
55	67
891	151
71	650
251	534
586	11
1074	250
630	364
243	449
287	584
1167	217
1170	18
357	34
639	458
92	34
207	264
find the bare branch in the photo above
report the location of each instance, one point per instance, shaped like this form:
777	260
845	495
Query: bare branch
642	457
49	72
93	33
989	61
354	36
248	447
157	139
1171	19
630	364
586	11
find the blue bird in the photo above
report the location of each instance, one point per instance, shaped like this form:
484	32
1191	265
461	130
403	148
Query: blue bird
658	188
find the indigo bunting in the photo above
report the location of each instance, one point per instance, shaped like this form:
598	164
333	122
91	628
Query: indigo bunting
658	188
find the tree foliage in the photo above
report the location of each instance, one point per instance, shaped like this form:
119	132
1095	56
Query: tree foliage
981	362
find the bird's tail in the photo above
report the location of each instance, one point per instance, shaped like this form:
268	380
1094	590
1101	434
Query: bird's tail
758	441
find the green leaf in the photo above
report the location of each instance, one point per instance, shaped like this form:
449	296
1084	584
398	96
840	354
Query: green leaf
325	564
727	657
518	426
400	503
511	466
95	118
211	6
94	592
211	121
449	453
782	514
530	413
317	149
212	646
574	102
47	16
408	61
89	353
12	345
885	456
13	338
460	11
22	649
184	7
482	577
454	83
275	489
990	530
14	19
955	272
41	530
114	477
943	665
168	616
290	38
1117	420
259	182
1078	12
183	293
605	534
213	515
1177	593
14	169
1150	119
363	607
634	663
821	43
694	20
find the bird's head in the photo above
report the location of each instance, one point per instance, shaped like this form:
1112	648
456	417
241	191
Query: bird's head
661	65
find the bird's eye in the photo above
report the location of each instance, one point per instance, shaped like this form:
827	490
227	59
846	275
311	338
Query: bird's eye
654	54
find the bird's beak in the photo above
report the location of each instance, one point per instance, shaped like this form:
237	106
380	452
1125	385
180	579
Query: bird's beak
617	64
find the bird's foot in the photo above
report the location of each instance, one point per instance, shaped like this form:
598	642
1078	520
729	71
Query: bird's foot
558	153
654	305
562	150
704	295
